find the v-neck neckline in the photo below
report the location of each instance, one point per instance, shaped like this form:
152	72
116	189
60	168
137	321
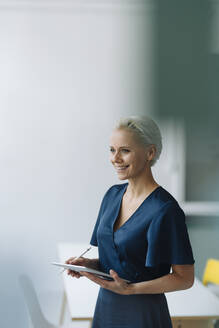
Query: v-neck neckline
137	209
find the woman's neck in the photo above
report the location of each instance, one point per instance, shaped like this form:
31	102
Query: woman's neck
141	186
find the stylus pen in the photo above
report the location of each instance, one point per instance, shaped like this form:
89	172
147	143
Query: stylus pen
79	257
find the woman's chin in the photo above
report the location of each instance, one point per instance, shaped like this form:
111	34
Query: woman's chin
122	177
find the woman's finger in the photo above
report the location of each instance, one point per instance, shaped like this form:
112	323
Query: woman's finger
73	273
70	260
115	276
77	261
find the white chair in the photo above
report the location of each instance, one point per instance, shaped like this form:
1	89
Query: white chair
36	315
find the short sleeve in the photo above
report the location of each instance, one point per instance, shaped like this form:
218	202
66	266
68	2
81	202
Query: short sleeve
93	240
168	239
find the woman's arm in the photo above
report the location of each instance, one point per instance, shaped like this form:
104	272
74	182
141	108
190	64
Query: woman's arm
181	277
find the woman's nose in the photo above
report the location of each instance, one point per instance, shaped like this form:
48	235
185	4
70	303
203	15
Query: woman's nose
116	157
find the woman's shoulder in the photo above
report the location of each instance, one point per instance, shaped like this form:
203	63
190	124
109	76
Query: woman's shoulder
115	189
166	201
112	194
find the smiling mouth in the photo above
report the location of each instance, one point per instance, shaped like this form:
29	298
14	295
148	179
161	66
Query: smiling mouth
122	168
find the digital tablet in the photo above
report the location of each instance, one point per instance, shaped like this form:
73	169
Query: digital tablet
79	268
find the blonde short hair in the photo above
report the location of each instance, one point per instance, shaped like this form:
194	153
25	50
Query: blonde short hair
146	131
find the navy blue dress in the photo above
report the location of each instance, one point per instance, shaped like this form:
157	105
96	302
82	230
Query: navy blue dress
143	248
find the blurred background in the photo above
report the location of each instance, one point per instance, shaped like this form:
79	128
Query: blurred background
69	70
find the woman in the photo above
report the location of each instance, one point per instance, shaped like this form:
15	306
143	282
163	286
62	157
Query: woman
141	236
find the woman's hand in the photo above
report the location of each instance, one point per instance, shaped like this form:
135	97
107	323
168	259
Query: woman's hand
118	285
89	263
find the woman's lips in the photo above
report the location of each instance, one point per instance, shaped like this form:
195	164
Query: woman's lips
121	168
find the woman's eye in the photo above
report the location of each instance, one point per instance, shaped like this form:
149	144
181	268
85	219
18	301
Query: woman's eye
123	150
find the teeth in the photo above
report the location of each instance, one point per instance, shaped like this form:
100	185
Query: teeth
121	167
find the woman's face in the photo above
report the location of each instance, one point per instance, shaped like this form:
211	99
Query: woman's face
128	156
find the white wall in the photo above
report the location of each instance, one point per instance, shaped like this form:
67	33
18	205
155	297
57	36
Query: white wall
67	72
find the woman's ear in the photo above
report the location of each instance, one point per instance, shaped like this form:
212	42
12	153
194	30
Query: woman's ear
151	152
